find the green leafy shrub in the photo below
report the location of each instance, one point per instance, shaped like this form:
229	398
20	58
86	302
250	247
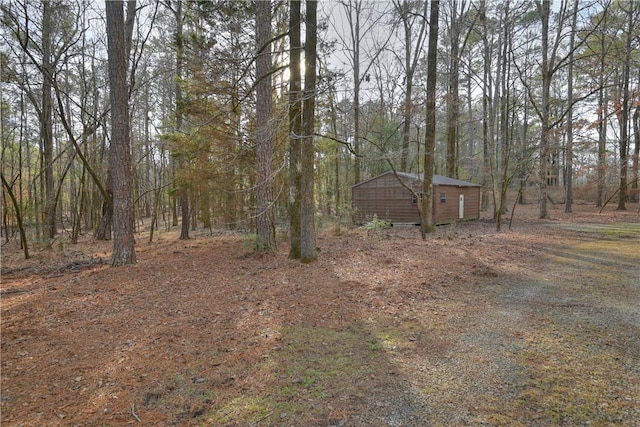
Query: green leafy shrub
376	224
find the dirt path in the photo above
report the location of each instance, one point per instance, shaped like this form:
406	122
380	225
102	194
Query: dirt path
537	327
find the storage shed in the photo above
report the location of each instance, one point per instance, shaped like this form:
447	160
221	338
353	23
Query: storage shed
384	196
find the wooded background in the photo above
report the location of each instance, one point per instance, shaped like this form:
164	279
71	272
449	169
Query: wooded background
528	95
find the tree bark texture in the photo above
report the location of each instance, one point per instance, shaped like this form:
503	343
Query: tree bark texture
183	187
46	123
104	230
544	9
265	227
406	125
453	95
502	142
295	128
486	106
426	213
568	197
120	148
354	27
307	153
16	207
636	154
624	123
411	58
602	135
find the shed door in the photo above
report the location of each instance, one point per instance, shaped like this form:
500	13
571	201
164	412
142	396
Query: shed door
461	207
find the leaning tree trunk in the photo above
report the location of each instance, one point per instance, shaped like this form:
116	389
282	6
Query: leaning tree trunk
16	207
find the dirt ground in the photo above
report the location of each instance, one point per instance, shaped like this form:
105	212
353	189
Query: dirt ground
537	326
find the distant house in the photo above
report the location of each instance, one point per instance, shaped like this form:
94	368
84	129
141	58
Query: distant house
384	196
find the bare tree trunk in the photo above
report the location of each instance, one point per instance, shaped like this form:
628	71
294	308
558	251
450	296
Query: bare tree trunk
295	128
183	187
46	123
265	228
353	10
234	174
426	212
23	119
104	228
636	154
174	200
568	197
544	8
624	124
148	198
602	135
453	93
522	174
355	28
333	116
16	206
602	120
503	148
406	126
79	208
119	151
411	57
471	121
307	152
487	109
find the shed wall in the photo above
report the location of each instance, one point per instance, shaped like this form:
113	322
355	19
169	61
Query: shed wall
386	198
448	211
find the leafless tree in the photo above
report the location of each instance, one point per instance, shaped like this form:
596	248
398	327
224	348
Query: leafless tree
411	14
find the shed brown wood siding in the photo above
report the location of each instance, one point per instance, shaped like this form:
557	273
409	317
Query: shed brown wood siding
449	210
385	197
388	199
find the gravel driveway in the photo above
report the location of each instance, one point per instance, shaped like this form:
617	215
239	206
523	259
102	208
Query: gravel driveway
554	340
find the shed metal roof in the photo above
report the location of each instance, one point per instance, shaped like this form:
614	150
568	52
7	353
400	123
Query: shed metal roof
437	179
